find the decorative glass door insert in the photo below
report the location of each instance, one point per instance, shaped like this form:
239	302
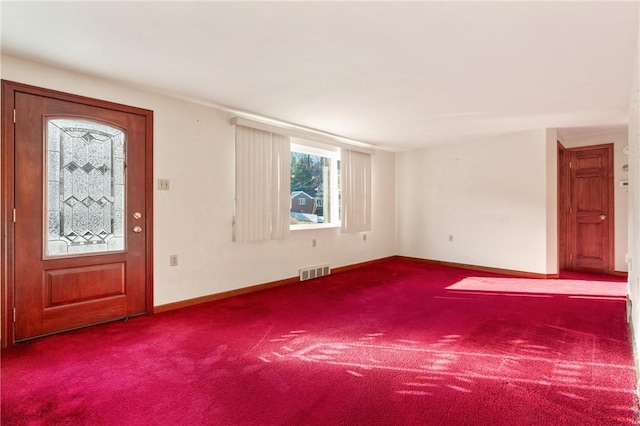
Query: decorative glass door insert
84	186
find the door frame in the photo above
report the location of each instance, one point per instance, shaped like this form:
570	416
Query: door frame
7	179
564	194
563	208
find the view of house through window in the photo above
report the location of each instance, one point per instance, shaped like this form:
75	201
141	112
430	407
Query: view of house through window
314	186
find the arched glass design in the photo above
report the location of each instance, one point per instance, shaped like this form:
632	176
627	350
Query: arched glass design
84	187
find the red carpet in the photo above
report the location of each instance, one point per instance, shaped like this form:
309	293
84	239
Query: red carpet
396	343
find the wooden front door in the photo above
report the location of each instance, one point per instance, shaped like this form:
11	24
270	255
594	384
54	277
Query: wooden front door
591	227
80	243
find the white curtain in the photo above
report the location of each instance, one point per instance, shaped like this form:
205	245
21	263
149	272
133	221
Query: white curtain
263	175
356	191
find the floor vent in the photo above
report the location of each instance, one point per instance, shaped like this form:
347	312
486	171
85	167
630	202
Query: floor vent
314	272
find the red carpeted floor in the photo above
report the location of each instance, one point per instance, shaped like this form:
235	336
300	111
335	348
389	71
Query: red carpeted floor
396	343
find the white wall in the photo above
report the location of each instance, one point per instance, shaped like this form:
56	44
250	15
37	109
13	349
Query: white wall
496	196
621	195
193	147
634	203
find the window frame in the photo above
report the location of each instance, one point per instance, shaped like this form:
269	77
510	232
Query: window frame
304	146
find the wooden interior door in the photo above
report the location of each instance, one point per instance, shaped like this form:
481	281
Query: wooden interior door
591	226
81	240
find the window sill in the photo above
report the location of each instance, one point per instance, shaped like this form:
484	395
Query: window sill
314	226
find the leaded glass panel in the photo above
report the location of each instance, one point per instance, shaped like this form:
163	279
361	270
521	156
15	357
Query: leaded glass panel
84	186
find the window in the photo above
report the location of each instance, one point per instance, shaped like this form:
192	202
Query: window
85	189
314	185
289	180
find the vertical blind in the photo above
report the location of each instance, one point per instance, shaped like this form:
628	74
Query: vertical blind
356	191
263	173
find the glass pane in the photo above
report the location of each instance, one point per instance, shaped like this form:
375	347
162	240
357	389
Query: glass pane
310	189
84	186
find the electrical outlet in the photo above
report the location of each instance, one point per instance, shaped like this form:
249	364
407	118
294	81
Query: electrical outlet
173	260
313	242
364	237
450	238
163	184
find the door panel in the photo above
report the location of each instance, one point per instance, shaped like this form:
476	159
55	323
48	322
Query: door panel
591	209
66	286
81	256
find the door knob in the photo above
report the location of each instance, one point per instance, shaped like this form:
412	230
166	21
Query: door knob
137	215
603	216
137	229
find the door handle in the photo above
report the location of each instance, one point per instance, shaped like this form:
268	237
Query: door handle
137	229
603	216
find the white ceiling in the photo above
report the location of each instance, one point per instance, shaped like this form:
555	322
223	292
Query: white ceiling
397	75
